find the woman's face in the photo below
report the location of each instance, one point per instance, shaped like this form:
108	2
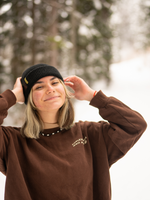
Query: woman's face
48	94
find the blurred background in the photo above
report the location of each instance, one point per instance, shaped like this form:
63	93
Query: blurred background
107	43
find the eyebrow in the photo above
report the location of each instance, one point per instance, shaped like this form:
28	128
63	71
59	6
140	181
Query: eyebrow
43	82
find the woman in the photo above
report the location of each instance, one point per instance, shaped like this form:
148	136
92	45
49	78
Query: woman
53	157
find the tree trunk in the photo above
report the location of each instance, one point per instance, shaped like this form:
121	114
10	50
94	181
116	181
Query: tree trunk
33	31
73	39
53	33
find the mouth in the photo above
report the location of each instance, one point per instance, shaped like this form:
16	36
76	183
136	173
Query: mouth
51	98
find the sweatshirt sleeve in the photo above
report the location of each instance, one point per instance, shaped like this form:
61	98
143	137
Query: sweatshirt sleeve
7	99
124	126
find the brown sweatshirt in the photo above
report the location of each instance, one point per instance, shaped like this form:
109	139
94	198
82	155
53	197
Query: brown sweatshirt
72	164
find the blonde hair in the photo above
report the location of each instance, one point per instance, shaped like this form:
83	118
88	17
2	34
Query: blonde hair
33	123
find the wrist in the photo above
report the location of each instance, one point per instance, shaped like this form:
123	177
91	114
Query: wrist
91	94
18	94
15	93
95	92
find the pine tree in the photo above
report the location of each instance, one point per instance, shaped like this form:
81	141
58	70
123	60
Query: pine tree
72	35
90	35
145	23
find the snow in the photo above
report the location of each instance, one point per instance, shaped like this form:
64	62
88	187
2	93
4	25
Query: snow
130	176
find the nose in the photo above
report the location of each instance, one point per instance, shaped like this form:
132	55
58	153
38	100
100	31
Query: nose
49	89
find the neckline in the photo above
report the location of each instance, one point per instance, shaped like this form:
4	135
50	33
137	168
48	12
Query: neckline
50	132
50	129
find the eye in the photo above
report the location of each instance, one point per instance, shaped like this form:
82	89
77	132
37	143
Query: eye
39	87
55	83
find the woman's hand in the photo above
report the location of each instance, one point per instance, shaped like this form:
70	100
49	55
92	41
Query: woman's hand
81	90
18	91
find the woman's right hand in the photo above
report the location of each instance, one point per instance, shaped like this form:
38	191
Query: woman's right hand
18	91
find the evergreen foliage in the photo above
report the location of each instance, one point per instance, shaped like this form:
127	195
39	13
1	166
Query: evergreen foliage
145	22
72	35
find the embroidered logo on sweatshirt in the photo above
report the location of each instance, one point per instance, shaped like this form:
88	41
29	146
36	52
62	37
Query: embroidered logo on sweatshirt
80	141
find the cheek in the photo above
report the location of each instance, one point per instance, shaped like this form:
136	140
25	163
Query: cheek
63	94
36	98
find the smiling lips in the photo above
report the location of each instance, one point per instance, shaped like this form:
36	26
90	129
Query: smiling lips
51	98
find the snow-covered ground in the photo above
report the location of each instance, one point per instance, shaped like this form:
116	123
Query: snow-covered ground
130	176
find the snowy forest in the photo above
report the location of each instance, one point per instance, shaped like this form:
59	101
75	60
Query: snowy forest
77	37
93	39
82	37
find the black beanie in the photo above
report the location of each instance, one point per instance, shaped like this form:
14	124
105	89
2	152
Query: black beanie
32	74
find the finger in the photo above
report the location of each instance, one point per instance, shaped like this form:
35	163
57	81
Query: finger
67	79
69	83
70	79
18	82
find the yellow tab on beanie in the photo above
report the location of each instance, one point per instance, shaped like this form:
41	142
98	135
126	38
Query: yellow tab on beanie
26	80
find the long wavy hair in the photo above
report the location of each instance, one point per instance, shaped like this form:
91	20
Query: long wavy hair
33	123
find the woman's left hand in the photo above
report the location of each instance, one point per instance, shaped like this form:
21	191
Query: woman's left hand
81	90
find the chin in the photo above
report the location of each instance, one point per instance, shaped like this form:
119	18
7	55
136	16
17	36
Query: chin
53	108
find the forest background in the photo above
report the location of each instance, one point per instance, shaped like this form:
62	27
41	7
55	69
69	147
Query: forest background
81	37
